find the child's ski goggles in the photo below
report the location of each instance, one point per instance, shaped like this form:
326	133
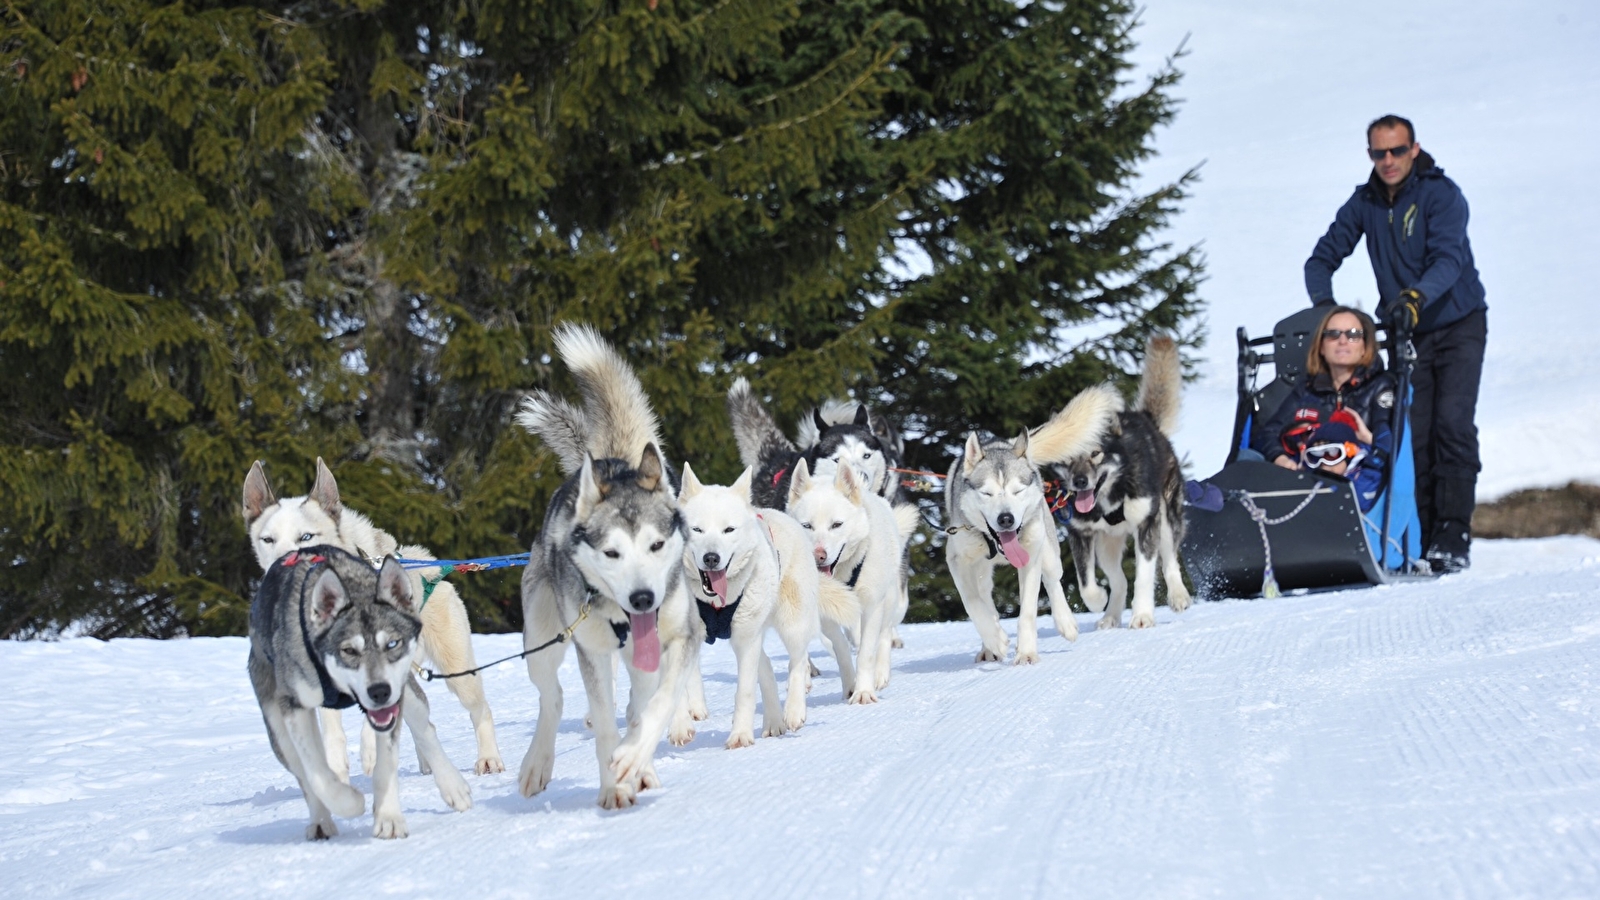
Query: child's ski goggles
1318	456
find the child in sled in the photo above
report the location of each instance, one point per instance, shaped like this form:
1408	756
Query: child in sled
1343	446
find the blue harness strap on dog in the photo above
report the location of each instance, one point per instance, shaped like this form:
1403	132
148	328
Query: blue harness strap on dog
719	622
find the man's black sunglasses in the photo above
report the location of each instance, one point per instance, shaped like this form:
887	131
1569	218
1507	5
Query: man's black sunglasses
1396	152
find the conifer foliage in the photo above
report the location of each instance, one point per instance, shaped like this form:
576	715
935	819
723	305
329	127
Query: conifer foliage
347	228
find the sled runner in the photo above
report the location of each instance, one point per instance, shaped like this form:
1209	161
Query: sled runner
1283	530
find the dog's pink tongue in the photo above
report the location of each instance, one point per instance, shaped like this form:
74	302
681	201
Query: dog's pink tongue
646	642
382	717
719	585
1015	553
1083	501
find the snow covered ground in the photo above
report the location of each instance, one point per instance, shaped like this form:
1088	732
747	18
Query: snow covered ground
1429	740
1277	99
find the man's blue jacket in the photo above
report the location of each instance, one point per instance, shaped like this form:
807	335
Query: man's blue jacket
1418	241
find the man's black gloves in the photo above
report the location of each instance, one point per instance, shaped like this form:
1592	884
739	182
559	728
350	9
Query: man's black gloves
1408	311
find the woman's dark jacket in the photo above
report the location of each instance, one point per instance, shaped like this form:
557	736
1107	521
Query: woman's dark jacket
1370	393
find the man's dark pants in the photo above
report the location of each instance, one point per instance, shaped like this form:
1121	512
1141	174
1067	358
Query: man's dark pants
1444	436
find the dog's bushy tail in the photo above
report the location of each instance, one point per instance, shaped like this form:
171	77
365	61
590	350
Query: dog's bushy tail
559	424
834	412
1077	428
753	429
906	519
617	412
1161	385
838	603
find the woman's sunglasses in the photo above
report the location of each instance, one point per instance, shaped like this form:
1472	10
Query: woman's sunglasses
1333	334
1320	456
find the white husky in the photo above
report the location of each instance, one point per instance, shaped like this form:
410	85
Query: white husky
855	538
749	570
279	526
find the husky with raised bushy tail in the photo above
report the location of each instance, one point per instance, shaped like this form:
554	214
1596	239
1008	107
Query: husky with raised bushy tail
1129	484
750	570
278	526
606	569
329	631
997	514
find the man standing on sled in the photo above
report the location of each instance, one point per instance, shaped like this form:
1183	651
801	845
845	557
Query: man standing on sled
1415	223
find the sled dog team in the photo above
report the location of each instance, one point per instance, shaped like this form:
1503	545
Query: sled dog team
637	560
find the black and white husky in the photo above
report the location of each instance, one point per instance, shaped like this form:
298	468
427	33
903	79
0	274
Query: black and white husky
279	526
1131	485
996	512
328	631
608	567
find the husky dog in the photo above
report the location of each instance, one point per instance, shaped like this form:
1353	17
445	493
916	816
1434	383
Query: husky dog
326	630
839	432
1130	484
607	569
856	538
279	526
749	570
996	509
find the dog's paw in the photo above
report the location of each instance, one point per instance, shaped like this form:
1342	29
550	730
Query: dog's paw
535	774
489	765
648	779
388	827
453	789
1026	658
1068	626
1143	620
1108	622
618	796
794	716
422	766
698	711
988	655
774	728
321	831
812	671
629	761
1178	600
345	801
739	739
863	696
680	736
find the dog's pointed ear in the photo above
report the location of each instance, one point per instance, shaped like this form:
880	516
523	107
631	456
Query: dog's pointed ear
328	598
257	494
845	480
741	485
394	586
326	491
1019	447
653	470
691	485
819	421
972	455
591	487
862	418
800	481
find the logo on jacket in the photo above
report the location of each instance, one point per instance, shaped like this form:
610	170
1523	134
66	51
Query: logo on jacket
1309	414
1386	400
1408	223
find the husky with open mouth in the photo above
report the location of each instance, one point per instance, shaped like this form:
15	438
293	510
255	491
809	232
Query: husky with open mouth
607	568
278	526
326	630
1130	485
750	570
997	514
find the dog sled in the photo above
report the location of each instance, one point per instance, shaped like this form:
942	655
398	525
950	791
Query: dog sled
1282	530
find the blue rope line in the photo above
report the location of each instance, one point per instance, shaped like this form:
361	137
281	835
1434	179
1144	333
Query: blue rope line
479	564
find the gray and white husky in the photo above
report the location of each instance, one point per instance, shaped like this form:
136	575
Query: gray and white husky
326	630
856	538
997	513
1129	484
608	565
278	526
750	570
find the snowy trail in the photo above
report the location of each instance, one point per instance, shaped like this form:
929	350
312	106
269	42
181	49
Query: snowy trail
1434	740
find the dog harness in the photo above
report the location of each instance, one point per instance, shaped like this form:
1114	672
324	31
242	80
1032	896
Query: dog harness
719	622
